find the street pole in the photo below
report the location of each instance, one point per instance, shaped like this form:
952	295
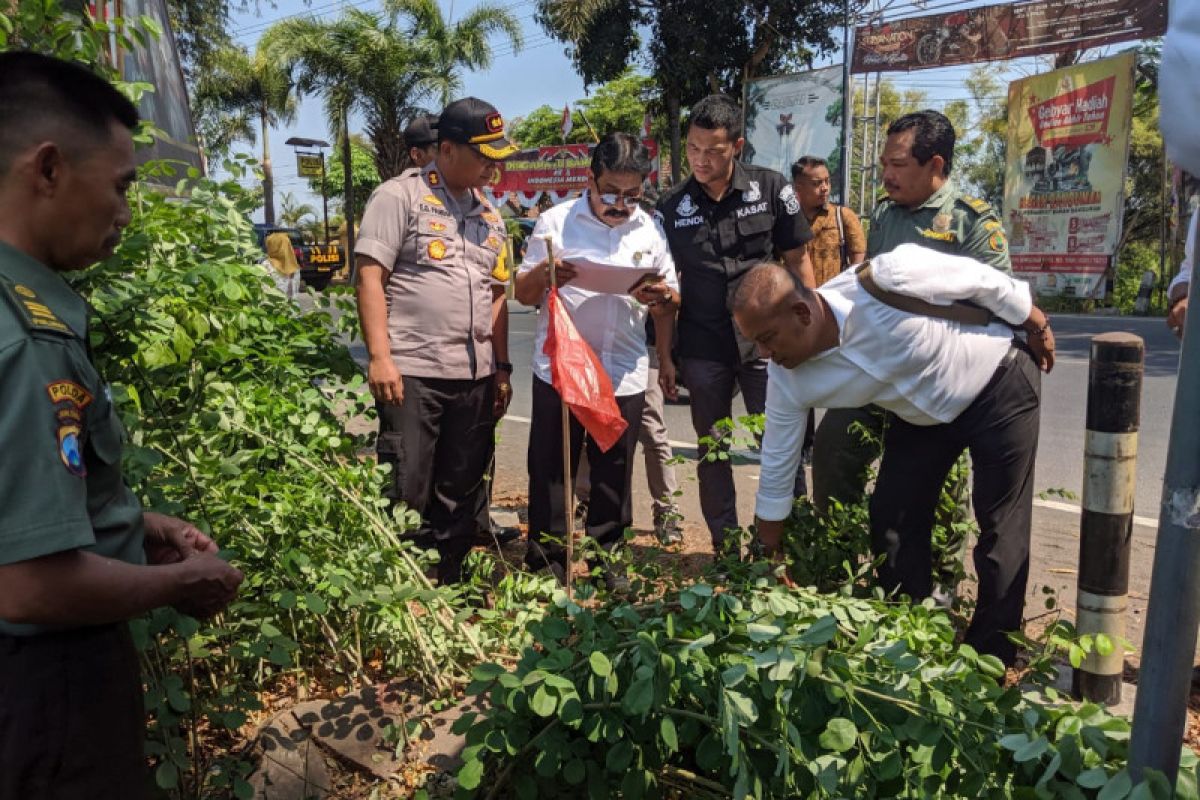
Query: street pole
862	171
324	197
1106	521
568	485
847	105
348	186
875	143
1173	616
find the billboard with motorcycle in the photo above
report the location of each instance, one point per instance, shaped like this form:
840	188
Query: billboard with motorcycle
1068	147
998	32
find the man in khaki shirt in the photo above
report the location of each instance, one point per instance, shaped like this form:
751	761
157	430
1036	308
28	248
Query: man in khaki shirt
434	317
838	239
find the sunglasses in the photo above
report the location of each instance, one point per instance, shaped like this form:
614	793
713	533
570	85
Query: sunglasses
611	198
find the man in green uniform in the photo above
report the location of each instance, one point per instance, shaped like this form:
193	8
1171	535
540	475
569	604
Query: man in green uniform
925	207
78	555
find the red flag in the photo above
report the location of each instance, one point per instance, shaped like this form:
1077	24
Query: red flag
579	378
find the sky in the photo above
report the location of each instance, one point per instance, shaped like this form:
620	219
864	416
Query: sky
541	73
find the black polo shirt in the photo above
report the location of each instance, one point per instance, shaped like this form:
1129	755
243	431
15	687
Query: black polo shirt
716	242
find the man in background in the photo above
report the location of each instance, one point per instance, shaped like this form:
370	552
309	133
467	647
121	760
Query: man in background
838	240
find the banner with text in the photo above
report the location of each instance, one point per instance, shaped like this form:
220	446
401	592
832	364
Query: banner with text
789	116
1068	147
995	33
559	170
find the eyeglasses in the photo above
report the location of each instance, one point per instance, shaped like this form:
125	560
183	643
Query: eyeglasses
611	198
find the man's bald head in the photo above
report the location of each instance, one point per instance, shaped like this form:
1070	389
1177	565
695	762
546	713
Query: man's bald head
786	321
764	290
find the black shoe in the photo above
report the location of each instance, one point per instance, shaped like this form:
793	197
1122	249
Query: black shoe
806	456
497	535
581	512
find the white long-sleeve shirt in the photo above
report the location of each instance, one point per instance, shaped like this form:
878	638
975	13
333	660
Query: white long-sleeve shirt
1178	89
1189	256
924	369
613	325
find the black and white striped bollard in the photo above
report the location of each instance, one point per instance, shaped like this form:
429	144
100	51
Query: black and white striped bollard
1106	525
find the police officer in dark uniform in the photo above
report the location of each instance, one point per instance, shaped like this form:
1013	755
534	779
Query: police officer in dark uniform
78	555
722	221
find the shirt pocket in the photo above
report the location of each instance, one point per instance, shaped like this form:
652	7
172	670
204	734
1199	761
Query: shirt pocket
437	240
754	235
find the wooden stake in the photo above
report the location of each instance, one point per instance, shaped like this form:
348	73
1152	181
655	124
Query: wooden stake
568	489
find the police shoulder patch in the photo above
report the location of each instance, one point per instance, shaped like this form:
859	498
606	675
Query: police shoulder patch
997	242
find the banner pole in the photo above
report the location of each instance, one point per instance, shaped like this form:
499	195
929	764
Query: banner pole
847	109
568	489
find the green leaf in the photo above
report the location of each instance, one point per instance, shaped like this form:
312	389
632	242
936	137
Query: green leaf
619	757
543	703
167	775
762	633
471	774
1033	750
1093	778
704	641
1014	741
639	697
315	604
1117	787
574	772
668	734
840	735
600	664
734	675
1104	645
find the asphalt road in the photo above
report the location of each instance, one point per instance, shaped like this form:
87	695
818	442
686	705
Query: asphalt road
1060	454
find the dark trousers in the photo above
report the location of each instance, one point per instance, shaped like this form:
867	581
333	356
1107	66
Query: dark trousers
710	387
842	457
71	719
1001	431
439	442
610	504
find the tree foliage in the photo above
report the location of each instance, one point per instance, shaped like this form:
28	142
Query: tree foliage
690	47
239	90
384	65
619	105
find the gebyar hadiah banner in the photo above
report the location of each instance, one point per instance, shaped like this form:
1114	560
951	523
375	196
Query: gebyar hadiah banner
789	116
1068	146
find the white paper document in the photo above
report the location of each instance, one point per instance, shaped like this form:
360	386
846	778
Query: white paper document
603	278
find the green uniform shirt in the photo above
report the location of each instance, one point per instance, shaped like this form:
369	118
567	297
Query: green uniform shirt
60	476
948	221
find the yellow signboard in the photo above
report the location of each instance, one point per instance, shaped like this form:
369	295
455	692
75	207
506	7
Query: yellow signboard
1068	138
309	166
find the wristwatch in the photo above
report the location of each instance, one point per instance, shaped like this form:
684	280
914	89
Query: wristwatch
504	366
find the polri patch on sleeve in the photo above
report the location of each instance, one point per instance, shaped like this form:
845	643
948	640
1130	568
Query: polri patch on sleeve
70	448
997	243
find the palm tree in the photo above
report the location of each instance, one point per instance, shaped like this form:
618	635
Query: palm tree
292	212
448	48
246	86
384	64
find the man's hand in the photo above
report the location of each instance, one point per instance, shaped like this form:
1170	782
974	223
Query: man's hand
770	537
564	272
384	379
1040	339
170	540
208	585
503	393
1178	316
667	378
